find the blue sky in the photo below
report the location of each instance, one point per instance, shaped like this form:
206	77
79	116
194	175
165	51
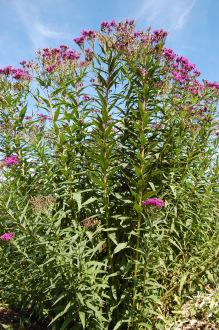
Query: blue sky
193	26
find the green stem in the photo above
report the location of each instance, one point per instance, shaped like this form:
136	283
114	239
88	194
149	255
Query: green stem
142	169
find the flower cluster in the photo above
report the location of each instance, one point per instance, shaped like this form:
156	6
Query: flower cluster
18	74
86	98
186	73
195	87
108	26
11	160
169	54
7	236
211	84
125	39
183	69
154	202
158	35
43	118
85	35
52	58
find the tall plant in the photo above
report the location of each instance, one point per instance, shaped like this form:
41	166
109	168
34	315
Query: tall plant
109	181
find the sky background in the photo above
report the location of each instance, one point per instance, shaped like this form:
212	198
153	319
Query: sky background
193	26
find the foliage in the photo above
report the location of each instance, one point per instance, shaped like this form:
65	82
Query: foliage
109	181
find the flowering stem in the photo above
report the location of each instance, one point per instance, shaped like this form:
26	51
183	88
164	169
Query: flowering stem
140	193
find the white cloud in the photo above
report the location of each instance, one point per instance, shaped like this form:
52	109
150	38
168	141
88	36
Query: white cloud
171	14
39	32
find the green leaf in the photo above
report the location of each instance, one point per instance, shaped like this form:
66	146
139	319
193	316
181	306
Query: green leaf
182	282
118	324
83	319
77	198
112	236
152	186
120	247
61	313
56	114
66	323
22	113
89	200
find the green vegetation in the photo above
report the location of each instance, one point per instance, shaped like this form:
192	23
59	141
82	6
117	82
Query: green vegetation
109	183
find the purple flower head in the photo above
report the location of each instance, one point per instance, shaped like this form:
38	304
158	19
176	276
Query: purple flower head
38	127
158	35
79	85
86	98
55	51
23	63
212	84
63	48
105	26
50	68
178	77
21	74
71	55
11	160
42	117
108	26
79	40
154	202
113	23
137	34
144	38
184	62
129	22
28	117
169	54
89	34
83	64
8	70
7	236
197	72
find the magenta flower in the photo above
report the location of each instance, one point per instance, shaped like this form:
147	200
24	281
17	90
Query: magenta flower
21	74
158	35
23	63
154	202
178	77
169	54
89	34
79	85
28	117
86	97
8	70
63	48
137	34
197	72
11	160
79	40
42	117
71	55
107	26
129	22
7	236
212	84
50	68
